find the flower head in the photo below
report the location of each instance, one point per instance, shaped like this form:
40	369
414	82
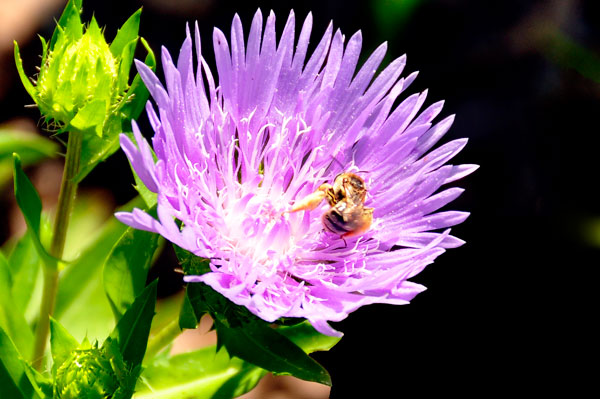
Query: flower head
233	159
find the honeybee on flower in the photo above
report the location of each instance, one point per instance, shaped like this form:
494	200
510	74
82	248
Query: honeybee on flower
347	216
244	161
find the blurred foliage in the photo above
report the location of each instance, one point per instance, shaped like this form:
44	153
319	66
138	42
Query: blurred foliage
392	15
212	373
31	147
589	231
567	53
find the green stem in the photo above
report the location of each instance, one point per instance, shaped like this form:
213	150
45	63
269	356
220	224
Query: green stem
163	338
66	199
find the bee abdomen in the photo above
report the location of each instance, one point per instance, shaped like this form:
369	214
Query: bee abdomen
334	222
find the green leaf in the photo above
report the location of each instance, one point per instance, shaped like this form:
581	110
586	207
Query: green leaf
69	21
246	336
80	291
14	373
24	79
90	118
25	267
27	198
44	50
263	346
61	343
306	337
96	149
127	33
126	376
195	298
188	318
38	380
134	327
136	97
31	206
9	388
252	339
125	65
124	47
126	268
200	299
30	147
12	319
203	373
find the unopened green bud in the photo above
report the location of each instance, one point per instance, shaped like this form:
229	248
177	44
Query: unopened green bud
86	374
78	82
82	84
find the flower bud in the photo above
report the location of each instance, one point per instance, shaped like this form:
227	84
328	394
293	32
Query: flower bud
82	84
86	374
79	76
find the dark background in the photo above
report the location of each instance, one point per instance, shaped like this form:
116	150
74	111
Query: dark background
511	311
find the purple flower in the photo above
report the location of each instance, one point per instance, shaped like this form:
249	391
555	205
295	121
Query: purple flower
232	159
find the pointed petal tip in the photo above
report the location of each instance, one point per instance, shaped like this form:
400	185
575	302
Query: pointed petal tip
139	64
164	52
357	36
463	140
382	47
236	20
470	168
458	242
124	140
449	119
124	217
219	37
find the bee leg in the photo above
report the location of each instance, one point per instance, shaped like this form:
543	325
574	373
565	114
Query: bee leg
343	239
311	201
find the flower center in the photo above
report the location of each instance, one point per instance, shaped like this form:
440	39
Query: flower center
259	230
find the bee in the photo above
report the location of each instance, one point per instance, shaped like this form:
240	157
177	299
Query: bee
347	216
